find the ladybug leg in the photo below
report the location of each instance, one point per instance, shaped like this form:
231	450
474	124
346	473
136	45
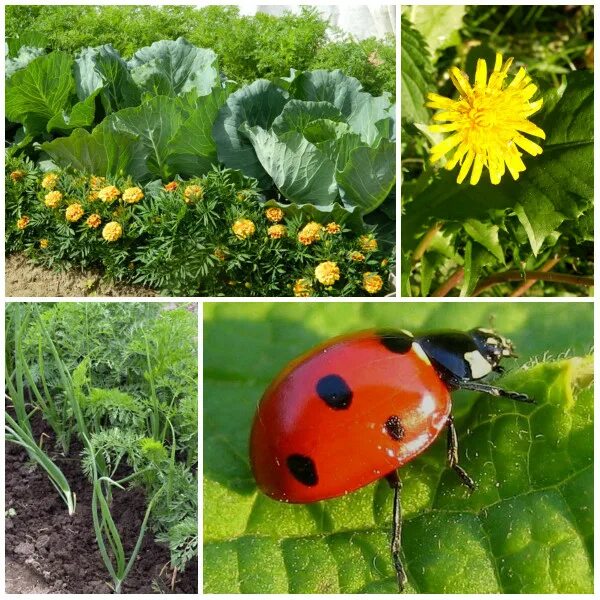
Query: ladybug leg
486	388
453	455
396	485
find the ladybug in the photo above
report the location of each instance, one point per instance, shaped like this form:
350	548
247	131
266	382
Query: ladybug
356	408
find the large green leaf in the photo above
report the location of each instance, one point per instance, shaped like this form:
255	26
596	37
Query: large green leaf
557	185
528	528
297	115
368	176
301	172
416	74
103	152
24	56
439	25
172	67
41	90
257	104
81	115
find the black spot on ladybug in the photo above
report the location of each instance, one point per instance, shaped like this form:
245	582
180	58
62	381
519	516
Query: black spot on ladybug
395	341
394	428
303	469
334	391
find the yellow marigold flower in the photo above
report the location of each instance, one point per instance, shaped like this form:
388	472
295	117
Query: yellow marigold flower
132	195
302	288
384	262
357	256
171	186
219	254
372	282
23	222
44	243
243	228
109	194
242	195
327	272
52	199
50	181
97	183
193	193
368	243
487	121
274	214
17	175
94	221
92	196
112	231
310	233
333	228
74	212
277	231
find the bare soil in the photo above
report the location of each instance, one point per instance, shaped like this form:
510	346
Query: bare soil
48	551
24	279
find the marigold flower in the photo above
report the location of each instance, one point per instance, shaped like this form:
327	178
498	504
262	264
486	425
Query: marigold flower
310	233
487	121
23	222
97	183
219	254
277	231
372	282
171	186
50	181
357	256
368	243
274	214
92	196
333	228
132	195
44	243
74	212
109	194
302	288
94	221
242	195
112	231
193	193
243	228
17	175
327	272
52	199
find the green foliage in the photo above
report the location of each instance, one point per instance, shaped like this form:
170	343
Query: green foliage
528	528
471	237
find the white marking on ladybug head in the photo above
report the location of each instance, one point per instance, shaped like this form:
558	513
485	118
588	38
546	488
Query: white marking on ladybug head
416	348
479	366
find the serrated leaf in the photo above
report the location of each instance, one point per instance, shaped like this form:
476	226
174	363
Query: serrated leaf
486	235
439	25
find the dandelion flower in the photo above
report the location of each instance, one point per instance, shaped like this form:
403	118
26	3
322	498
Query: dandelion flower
302	288
192	193
171	186
333	228
50	181
112	231
367	243
372	282
23	222
487	122
94	221
243	228
52	199
44	243
74	212
277	231
327	272
310	233
109	194
274	214
132	195
17	175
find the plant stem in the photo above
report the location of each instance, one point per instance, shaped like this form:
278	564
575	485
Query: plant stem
450	284
547	266
426	242
517	275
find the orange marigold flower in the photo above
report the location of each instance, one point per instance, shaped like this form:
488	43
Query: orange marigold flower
193	193
274	214
94	221
372	282
243	228
52	199
333	228
277	231
112	231
132	195
23	222
74	212
109	194
368	243
171	186
310	233
17	175
302	288
50	181
44	243
327	272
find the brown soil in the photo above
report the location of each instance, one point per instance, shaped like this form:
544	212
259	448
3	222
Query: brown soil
24	279
43	540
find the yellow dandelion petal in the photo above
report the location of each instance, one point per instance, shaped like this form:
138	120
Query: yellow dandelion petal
443	147
465	166
437	101
481	74
498	62
477	170
460	152
518	78
445	127
461	82
514	163
527	145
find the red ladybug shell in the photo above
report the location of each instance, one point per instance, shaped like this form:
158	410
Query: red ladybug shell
345	414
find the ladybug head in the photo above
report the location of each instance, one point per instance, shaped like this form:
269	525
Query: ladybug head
492	346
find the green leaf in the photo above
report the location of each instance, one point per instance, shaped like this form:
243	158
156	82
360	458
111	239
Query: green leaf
486	235
417	79
297	115
169	68
81	115
25	55
439	25
40	91
476	258
528	528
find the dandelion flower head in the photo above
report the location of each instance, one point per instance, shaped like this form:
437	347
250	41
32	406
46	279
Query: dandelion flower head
487	122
